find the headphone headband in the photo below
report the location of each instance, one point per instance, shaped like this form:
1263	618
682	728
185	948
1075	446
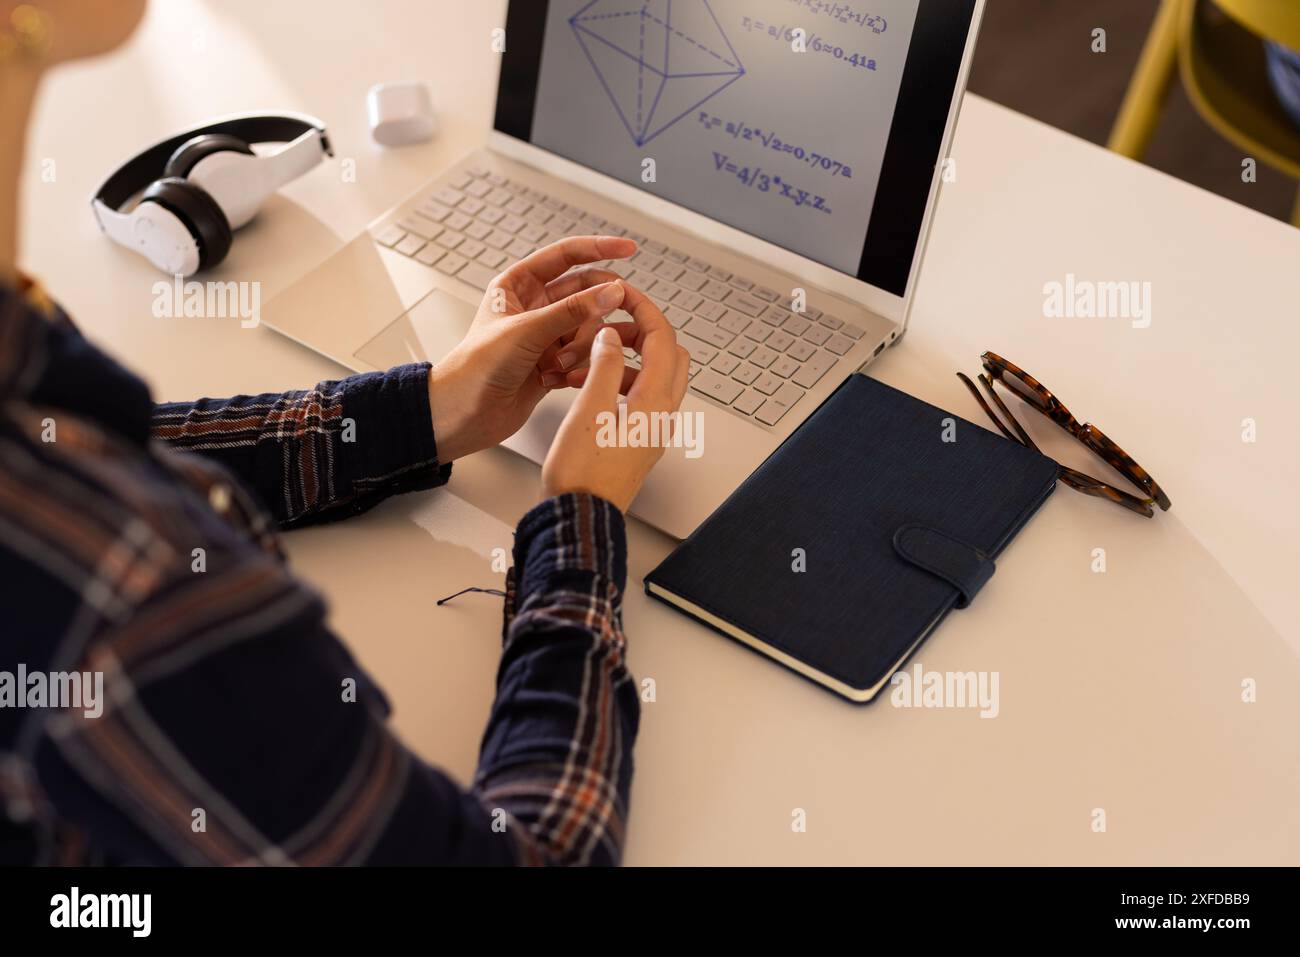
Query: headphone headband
138	172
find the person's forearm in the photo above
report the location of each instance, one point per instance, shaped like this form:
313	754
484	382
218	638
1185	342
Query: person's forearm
322	454
557	752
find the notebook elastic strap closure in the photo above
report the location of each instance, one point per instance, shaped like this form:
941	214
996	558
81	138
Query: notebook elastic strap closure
963	566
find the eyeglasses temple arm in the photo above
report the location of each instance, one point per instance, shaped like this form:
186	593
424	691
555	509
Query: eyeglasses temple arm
466	591
985	406
1024	436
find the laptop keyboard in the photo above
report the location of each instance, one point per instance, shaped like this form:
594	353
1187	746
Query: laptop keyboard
749	351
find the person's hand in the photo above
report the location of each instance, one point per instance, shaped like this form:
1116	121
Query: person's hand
483	391
577	462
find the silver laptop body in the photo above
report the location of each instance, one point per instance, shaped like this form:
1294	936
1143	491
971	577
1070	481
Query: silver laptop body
781	274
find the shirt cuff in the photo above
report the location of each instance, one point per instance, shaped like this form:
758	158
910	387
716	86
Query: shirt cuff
392	442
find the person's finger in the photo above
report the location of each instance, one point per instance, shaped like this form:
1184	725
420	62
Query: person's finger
574	282
632	299
657	344
681	380
682	376
578	280
542	327
567	355
550	262
573	354
578	377
546	367
600	389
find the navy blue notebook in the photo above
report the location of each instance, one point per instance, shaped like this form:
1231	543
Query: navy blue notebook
845	549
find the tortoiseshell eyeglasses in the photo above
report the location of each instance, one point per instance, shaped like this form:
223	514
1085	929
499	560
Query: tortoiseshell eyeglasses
1036	395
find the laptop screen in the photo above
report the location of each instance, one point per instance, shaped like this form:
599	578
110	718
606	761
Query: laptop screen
812	124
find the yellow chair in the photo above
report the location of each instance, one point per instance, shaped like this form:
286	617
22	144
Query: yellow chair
1218	51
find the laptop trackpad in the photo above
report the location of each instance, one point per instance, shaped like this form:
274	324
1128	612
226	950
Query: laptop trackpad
426	332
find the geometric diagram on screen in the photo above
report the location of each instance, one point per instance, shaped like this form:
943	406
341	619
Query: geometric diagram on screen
656	59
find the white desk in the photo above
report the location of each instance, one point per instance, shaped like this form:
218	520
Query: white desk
1118	690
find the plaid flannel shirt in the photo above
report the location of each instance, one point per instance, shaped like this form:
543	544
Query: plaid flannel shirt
226	736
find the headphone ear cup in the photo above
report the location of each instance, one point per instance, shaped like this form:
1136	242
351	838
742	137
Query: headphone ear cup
189	153
200	214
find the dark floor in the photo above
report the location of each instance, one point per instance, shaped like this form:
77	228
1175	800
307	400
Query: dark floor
1035	56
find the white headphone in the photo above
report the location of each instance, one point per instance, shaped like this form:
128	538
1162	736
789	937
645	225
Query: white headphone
211	183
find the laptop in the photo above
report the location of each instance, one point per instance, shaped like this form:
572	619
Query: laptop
778	162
